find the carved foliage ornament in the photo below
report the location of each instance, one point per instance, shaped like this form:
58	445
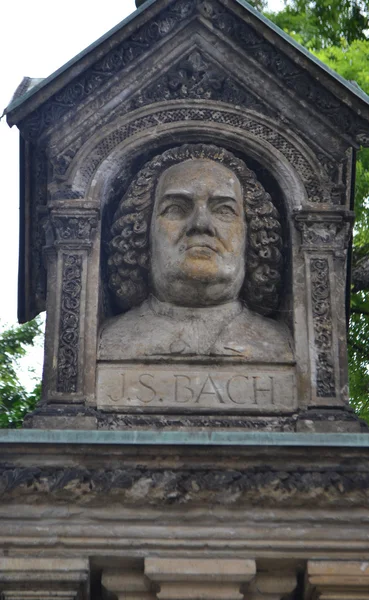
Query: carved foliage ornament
195	77
129	248
329	231
67	377
74	228
322	324
167	21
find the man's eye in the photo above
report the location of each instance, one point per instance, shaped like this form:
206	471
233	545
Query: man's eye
174	211
224	210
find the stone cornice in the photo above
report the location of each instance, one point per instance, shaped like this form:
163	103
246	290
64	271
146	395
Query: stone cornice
143	468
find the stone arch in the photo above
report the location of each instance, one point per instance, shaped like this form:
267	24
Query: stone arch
283	154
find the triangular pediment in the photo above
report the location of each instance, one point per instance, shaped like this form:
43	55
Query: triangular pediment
251	40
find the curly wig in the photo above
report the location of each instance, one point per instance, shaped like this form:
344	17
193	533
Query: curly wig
129	248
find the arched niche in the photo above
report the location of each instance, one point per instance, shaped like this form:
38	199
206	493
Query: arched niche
279	177
286	166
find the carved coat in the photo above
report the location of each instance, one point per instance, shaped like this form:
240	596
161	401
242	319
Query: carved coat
157	329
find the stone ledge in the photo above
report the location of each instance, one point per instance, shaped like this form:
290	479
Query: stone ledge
183	438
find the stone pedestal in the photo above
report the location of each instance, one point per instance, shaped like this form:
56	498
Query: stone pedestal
336	580
199	579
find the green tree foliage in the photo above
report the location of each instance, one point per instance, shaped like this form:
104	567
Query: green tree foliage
322	23
15	402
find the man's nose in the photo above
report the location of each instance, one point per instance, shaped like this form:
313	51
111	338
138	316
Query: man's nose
201	221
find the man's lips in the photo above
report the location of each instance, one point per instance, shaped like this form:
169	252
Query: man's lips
208	245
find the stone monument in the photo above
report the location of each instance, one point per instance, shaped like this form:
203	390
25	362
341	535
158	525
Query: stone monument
186	217
188	205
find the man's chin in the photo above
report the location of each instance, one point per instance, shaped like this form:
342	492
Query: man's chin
203	269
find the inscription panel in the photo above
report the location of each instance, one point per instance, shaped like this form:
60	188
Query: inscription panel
154	388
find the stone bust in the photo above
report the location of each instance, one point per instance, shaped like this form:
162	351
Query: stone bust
195	255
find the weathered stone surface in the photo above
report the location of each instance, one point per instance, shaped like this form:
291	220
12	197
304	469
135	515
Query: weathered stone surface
121	503
187	233
194	160
195	389
272	585
177	476
330	578
132	585
334	426
203	579
187	186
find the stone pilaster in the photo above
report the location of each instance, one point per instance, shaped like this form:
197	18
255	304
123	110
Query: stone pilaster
199	579
44	579
72	301
337	580
325	236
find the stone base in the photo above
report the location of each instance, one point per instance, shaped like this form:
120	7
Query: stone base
57	416
149	521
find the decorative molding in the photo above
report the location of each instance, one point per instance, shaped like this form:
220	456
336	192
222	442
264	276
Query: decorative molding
322	325
291	75
134	486
315	190
69	332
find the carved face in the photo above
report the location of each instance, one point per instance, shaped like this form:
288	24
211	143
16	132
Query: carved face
198	233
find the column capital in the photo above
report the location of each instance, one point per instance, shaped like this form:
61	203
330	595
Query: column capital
72	224
324	230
